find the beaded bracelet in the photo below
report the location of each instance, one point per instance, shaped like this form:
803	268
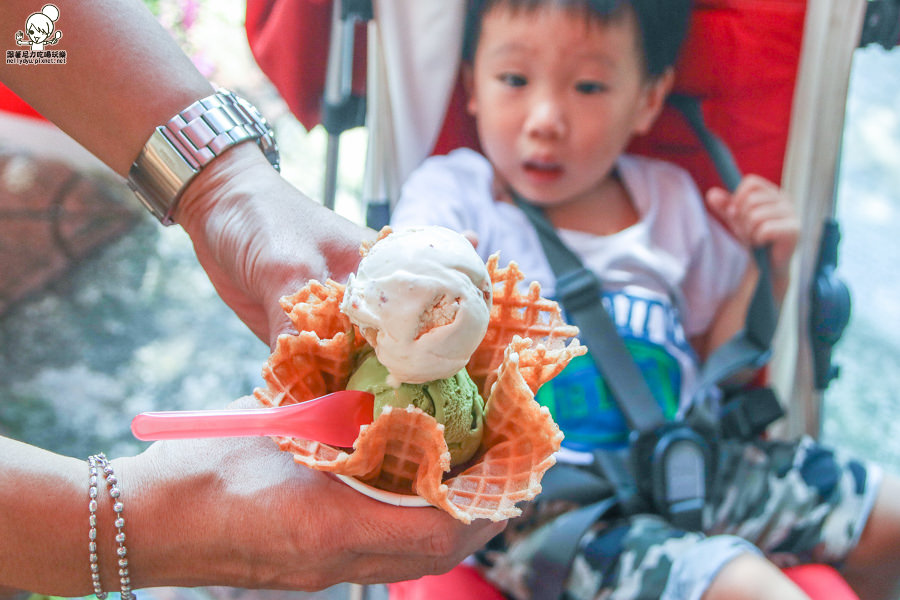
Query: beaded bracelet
97	463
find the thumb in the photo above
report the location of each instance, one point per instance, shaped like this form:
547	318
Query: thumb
716	195
279	324
717	199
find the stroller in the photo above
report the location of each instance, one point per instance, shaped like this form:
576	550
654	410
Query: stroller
772	77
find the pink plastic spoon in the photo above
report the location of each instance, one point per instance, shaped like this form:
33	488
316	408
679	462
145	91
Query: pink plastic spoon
333	419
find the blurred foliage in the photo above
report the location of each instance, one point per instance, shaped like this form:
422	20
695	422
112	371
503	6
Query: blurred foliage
136	328
179	17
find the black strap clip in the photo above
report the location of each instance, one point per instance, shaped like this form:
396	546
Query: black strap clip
680	463
745	415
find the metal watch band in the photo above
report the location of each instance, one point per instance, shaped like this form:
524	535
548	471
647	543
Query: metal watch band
178	150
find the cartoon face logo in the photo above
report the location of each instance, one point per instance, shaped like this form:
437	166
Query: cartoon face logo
39	29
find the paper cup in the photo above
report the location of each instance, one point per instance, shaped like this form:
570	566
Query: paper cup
384	496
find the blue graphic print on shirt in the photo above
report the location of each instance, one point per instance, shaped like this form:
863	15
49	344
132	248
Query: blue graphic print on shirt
580	400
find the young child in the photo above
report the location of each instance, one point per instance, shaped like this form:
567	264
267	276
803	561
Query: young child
558	89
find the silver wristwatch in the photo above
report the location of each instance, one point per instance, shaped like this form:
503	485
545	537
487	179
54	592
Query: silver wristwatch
178	150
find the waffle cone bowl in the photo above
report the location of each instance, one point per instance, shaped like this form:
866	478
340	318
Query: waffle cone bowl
403	450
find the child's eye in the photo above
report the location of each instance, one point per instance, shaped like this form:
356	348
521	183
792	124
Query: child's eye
590	87
512	79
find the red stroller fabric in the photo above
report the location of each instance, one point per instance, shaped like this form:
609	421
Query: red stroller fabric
460	583
10	102
289	40
465	583
821	582
741	59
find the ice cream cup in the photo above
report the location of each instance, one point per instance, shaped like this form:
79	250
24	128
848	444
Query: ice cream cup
394	498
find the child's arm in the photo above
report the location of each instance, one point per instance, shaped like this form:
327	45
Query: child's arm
758	213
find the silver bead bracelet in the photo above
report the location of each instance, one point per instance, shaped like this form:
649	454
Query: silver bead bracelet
96	464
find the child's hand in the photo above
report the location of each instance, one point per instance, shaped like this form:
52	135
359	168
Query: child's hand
760	213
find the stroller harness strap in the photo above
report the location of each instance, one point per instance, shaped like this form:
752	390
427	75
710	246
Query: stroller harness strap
750	347
550	568
578	290
676	457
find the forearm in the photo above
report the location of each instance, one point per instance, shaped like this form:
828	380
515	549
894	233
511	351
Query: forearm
730	316
234	511
173	533
44	521
124	75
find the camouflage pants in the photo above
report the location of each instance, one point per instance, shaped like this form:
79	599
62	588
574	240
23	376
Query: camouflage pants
796	502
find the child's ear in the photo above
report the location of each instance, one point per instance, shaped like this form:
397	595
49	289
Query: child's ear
468	80
654	100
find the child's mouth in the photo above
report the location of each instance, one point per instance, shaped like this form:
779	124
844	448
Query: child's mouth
542	170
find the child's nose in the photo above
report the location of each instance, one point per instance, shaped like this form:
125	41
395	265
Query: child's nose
546	119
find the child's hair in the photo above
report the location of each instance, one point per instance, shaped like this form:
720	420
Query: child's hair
662	23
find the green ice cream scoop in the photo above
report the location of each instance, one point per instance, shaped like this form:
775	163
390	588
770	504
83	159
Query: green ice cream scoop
453	402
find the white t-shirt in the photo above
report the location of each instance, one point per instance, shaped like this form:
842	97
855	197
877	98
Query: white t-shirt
664	277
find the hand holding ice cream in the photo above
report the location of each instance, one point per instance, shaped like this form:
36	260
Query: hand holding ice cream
406	450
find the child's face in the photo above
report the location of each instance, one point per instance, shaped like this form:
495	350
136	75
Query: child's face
558	98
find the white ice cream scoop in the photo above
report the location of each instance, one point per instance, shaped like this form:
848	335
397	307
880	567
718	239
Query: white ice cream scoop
422	299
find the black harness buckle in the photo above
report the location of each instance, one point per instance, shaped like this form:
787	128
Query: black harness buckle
746	415
680	463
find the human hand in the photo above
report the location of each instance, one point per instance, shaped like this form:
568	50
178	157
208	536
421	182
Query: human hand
759	213
247	516
259	238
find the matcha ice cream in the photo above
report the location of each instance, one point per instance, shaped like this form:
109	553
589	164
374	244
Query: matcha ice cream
453	402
